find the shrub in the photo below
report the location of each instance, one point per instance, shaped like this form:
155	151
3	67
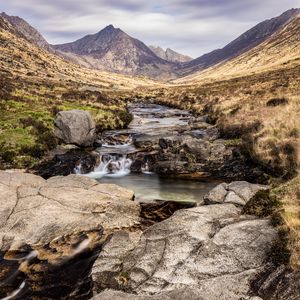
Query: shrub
277	101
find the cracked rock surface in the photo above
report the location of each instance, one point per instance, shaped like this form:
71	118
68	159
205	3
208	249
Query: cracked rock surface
213	250
51	232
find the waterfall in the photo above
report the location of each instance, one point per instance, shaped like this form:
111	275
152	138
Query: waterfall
112	166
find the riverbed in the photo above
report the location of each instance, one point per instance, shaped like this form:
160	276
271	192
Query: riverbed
118	149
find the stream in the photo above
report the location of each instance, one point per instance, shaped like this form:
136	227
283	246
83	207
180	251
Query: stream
119	151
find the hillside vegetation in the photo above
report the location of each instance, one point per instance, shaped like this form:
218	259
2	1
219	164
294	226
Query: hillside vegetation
36	84
254	100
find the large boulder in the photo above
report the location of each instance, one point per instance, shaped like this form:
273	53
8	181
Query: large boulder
75	127
51	232
211	249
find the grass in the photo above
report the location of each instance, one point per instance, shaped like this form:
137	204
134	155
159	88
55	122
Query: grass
27	115
289	193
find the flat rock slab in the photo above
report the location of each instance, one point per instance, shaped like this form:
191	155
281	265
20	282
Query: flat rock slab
49	227
210	248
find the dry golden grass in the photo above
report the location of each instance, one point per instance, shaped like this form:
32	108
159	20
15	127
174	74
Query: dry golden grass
289	194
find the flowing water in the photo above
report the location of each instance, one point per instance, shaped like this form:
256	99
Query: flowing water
115	162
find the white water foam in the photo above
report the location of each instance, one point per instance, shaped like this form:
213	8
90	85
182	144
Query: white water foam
111	166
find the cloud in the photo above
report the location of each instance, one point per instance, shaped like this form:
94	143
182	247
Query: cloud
192	27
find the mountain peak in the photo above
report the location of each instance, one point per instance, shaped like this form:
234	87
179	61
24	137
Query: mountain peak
170	55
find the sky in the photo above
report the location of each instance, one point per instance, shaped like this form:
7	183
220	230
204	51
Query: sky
192	27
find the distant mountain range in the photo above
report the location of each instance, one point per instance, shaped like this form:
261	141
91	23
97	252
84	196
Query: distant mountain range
170	55
247	41
113	50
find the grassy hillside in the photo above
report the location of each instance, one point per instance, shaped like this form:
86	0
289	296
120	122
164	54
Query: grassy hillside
35	85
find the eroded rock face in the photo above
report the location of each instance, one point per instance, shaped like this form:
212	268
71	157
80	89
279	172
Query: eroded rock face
237	192
75	127
52	231
212	249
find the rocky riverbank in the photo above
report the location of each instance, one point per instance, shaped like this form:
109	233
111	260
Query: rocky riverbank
166	141
73	237
65	237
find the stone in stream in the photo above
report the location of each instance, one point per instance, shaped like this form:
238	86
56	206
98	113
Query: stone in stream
51	232
67	162
75	127
237	192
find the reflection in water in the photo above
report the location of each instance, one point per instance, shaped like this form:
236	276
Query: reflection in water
148	187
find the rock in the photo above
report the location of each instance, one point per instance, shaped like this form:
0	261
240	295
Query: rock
157	211
211	248
51	232
238	192
217	194
278	283
179	294
67	163
75	127
109	263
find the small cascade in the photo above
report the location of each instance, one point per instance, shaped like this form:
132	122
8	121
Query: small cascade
78	169
112	165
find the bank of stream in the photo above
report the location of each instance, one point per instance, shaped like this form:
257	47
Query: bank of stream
129	157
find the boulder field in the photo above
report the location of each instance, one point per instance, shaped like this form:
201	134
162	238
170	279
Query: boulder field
72	238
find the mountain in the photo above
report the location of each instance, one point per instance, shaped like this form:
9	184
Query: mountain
22	60
170	55
29	32
247	41
113	50
280	50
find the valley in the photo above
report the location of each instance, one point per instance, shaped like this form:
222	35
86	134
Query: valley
133	172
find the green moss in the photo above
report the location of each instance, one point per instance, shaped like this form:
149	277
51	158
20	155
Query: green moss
233	142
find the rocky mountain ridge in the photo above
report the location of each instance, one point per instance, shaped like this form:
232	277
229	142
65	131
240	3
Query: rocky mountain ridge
111	49
170	55
245	42
29	32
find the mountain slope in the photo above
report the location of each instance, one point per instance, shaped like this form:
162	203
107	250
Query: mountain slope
170	55
281	50
242	44
29	32
111	49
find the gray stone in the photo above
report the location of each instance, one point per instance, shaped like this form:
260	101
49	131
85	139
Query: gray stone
237	192
75	127
47	224
216	195
210	248
109	263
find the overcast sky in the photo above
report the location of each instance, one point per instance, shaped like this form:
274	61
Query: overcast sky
192	27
